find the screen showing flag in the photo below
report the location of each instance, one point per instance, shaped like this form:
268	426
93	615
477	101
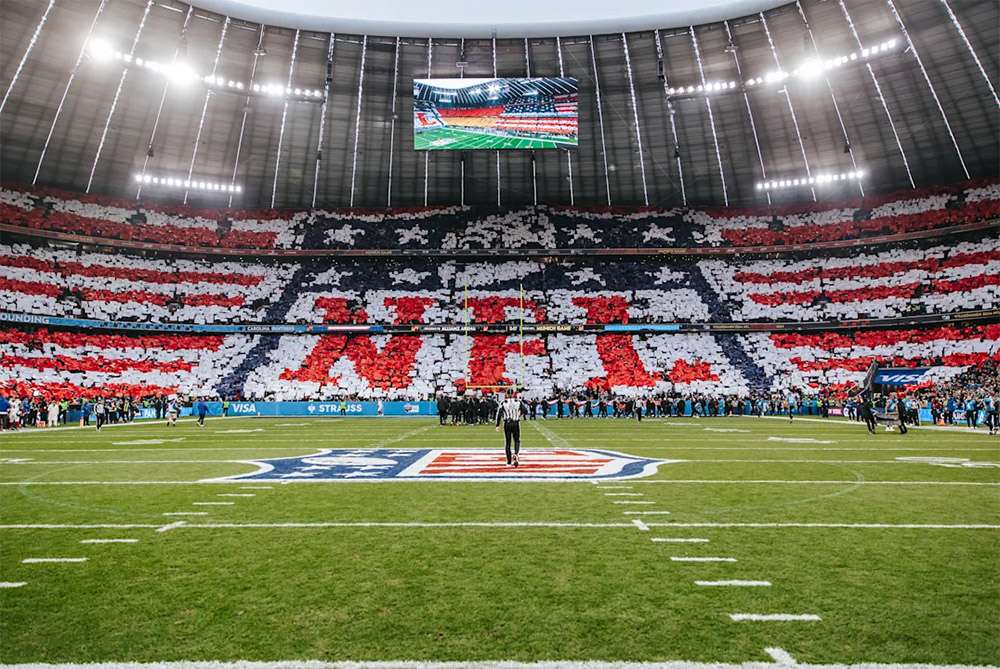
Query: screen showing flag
468	114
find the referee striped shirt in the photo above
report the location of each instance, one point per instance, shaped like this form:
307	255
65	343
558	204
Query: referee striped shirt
510	410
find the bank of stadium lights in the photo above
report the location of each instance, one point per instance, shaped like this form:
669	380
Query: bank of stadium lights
819	179
807	71
181	73
187	184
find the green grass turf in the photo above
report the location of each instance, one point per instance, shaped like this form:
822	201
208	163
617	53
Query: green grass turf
452	139
488	593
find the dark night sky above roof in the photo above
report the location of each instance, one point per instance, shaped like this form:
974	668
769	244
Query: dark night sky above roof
286	158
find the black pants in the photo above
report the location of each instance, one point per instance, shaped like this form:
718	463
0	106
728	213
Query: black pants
100	420
902	425
201	419
511	432
870	423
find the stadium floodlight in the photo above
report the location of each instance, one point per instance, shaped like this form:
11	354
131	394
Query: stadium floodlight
100	49
821	178
187	184
809	70
181	73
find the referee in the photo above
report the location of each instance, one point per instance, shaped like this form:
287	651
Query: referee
510	413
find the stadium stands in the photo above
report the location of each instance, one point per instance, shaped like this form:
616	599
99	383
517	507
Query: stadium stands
454	228
926	278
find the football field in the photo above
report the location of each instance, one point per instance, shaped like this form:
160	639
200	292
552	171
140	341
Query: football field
725	541
465	140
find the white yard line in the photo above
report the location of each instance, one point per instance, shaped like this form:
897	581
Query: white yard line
212	503
863	526
510	524
816	482
781	656
616	487
631	502
734	584
437	480
645	513
52	560
109	541
171	526
464	664
701	559
235	494
554	439
186	513
256	487
12	584
776	617
623	494
679	540
643	527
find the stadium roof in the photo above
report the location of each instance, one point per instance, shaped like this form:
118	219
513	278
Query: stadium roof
460	18
904	121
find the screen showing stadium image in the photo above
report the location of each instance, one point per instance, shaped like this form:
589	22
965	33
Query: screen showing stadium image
468	114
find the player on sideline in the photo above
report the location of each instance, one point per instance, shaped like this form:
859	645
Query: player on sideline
202	411
793	402
172	411
510	413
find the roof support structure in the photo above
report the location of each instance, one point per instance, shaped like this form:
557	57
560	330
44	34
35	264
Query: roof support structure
878	89
600	117
494	42
357	115
670	111
923	70
27	52
204	106
833	98
327	78
635	118
427	154
968	45
163	98
569	155
246	109
534	177
118	93
284	116
392	121
746	101
461	75
788	99
711	116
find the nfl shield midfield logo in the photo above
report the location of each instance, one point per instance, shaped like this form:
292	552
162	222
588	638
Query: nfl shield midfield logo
462	464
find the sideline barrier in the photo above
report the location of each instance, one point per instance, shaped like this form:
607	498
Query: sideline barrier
497	328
